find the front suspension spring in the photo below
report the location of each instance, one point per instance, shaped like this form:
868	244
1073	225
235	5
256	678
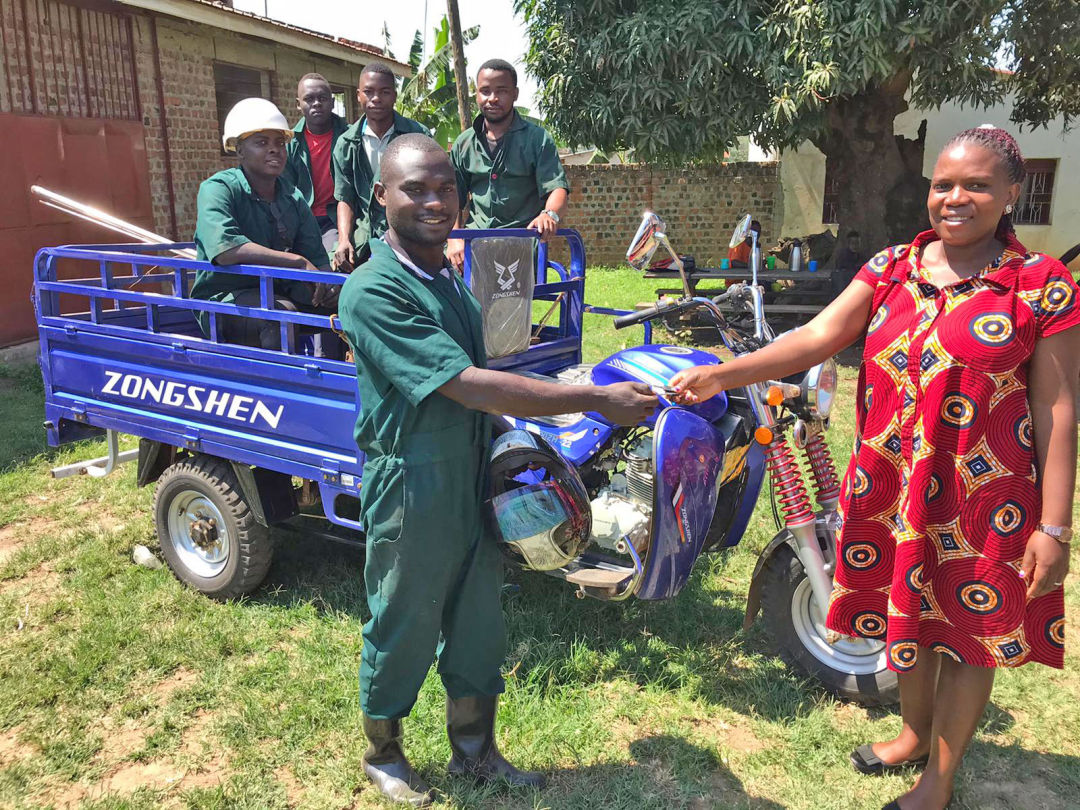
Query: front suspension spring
787	481
823	469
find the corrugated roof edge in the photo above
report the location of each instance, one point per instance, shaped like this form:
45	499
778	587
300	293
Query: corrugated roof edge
354	49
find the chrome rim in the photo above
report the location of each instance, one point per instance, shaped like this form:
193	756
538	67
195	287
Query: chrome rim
852	656
199	534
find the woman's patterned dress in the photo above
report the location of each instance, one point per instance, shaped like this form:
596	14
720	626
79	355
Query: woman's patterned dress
941	493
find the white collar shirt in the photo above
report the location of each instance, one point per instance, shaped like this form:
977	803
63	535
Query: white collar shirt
375	146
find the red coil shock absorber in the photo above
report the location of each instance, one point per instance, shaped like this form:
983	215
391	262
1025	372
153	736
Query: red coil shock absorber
823	469
787	481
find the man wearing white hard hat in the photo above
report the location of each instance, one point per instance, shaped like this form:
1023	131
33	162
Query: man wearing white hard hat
251	215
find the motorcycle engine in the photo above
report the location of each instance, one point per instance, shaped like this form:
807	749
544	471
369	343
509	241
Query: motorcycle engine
624	508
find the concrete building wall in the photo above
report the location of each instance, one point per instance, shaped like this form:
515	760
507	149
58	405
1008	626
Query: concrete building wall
802	173
700	205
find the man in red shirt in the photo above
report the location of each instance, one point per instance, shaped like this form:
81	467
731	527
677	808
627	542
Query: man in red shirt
310	165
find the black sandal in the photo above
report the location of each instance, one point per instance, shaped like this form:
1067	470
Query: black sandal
864	760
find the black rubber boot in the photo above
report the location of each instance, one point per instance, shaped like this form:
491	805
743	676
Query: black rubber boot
470	725
385	764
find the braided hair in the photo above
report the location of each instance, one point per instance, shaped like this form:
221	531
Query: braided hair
1002	144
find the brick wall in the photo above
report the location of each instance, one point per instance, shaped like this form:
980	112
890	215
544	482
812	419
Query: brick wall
187	52
700	206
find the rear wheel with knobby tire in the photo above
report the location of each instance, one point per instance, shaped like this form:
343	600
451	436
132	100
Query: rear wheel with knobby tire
208	533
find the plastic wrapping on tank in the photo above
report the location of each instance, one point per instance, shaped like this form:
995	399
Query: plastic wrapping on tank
502	279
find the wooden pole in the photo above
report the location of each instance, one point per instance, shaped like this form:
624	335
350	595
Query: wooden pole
461	78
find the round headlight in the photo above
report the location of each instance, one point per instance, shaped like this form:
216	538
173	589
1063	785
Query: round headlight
821	384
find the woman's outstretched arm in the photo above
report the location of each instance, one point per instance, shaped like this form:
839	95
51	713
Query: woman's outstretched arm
834	328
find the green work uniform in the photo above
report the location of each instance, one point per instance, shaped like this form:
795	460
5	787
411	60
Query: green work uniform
354	178
508	189
433	572
298	167
231	214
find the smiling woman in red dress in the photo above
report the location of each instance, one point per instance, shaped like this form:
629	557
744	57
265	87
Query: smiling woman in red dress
957	504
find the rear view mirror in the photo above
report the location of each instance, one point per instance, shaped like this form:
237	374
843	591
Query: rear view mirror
641	250
742	230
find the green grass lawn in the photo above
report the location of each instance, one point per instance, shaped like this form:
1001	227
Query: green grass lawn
120	688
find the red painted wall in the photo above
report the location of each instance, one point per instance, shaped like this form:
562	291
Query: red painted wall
99	162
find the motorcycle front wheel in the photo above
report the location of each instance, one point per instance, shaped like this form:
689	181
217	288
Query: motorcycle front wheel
852	668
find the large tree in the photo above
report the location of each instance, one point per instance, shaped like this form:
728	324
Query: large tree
680	80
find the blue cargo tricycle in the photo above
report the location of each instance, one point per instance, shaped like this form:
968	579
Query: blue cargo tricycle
241	439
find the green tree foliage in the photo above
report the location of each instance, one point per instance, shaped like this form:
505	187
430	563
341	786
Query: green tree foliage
680	80
430	95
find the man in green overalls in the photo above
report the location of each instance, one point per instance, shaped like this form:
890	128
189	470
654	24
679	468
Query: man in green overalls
433	573
356	162
250	214
508	169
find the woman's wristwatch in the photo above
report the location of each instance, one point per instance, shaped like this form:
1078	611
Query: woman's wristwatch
551	214
1063	534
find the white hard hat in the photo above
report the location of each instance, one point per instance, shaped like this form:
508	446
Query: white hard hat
252	115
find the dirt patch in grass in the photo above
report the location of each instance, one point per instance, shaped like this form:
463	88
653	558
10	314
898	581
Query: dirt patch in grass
15	536
294	790
29	592
118	741
195	764
12	749
180	679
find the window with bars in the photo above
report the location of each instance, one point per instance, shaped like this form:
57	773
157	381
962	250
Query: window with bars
59	58
830	201
233	83
1034	205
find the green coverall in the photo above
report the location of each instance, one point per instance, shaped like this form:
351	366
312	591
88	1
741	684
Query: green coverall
354	179
231	214
433	572
508	189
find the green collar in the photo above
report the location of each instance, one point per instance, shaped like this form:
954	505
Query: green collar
516	124
337	124
281	185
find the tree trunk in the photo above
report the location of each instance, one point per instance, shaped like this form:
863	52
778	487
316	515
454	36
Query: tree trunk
461	78
880	186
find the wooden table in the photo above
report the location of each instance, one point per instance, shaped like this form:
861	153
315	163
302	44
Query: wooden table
784	302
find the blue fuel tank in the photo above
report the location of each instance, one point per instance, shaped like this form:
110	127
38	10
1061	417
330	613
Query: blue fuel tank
655	364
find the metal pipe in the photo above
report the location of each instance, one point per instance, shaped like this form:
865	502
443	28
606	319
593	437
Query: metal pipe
99	217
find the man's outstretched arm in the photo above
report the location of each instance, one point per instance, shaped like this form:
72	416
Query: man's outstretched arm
498	392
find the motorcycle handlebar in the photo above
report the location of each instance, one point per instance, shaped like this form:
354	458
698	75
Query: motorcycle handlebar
649	313
623	321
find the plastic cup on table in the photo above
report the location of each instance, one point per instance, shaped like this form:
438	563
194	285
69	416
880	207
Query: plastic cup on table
812	266
770	262
725	264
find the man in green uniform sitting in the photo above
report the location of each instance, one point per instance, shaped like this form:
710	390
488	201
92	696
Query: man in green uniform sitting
508	169
433	573
356	162
251	215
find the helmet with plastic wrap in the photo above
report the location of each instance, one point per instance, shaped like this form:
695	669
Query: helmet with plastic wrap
539	507
251	115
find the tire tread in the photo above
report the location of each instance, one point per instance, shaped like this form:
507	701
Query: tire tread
253	546
781	574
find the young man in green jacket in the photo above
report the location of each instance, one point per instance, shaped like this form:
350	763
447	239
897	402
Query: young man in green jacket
356	162
432	572
311	153
508	169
